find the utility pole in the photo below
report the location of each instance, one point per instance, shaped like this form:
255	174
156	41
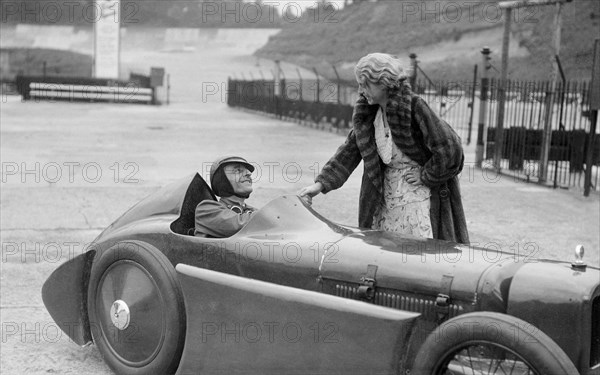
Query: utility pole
547	135
594	107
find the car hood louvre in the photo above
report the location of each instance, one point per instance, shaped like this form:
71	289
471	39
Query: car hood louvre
429	267
424	305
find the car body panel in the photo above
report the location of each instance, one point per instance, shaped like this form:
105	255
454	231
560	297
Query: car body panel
289	244
552	296
265	328
264	249
166	200
65	296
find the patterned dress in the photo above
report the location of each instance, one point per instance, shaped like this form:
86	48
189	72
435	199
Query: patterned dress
406	206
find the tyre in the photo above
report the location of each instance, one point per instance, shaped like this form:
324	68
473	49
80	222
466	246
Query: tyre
490	343
136	309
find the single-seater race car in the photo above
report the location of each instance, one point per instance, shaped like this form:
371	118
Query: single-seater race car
294	293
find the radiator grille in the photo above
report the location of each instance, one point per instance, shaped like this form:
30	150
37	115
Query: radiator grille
595	345
396	300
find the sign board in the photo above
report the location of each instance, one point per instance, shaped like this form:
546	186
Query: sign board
4	63
157	75
595	87
107	38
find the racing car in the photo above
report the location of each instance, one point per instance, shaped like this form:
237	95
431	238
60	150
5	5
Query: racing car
295	293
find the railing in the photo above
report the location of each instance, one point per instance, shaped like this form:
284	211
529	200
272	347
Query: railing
259	95
452	101
524	122
312	100
457	103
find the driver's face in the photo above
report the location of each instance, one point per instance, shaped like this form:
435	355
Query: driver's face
240	178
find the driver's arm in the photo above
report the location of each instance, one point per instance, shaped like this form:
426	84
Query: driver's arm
215	219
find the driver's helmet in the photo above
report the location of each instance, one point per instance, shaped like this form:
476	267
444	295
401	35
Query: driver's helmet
219	183
223	160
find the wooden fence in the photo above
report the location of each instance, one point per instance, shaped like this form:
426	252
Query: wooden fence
136	90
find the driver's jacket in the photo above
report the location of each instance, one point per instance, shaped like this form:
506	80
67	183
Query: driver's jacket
221	219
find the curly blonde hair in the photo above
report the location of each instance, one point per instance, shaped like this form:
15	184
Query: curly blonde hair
381	68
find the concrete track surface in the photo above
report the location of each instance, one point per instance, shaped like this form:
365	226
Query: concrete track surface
70	169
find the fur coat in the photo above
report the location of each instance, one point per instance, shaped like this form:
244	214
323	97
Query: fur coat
422	136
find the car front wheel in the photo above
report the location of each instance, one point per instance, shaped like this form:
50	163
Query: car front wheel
488	343
136	309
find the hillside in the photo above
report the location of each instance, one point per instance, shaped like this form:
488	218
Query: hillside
30	61
144	13
446	35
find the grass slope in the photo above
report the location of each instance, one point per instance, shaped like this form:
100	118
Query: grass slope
448	34
30	61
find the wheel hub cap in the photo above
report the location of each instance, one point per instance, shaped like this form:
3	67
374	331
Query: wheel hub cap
119	314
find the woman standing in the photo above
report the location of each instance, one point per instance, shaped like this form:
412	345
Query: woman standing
411	158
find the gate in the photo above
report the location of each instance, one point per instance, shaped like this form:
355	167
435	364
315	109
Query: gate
523	129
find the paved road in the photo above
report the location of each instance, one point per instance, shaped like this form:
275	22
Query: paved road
69	169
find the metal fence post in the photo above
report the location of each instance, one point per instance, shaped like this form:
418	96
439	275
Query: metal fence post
337	83
282	85
471	105
483	98
413	73
300	85
499	132
168	89
318	88
277	89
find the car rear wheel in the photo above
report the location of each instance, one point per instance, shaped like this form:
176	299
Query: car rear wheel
490	343
136	309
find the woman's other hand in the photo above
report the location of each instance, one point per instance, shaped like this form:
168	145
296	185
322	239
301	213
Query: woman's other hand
414	177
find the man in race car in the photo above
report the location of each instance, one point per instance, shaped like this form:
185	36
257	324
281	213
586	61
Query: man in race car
230	179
